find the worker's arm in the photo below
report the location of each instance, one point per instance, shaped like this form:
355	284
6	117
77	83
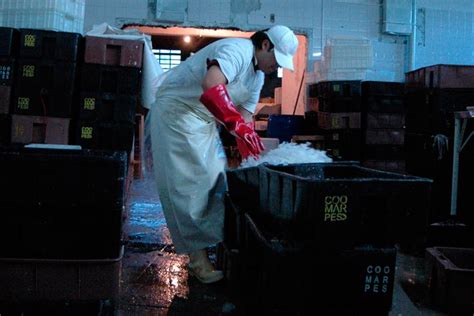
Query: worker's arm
248	116
217	100
213	77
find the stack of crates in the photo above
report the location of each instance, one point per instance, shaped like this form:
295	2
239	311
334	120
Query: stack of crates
9	38
109	91
311	109
383	123
333	225
45	86
339	117
61	225
433	94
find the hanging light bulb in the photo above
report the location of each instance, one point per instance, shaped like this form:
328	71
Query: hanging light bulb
187	39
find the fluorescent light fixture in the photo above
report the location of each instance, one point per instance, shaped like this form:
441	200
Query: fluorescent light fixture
316	54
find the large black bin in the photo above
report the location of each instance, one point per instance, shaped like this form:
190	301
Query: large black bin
337	205
281	275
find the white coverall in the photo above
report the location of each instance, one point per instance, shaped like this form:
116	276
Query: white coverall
189	159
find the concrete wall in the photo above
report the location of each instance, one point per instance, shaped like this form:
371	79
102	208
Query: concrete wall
444	28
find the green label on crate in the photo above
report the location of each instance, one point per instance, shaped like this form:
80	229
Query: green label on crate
86	132
23	103
30	40
335	208
28	71
377	279
89	104
336	88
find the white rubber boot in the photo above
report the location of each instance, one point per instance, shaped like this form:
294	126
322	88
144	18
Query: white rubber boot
200	267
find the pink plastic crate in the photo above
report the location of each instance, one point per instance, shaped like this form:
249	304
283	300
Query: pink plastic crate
115	52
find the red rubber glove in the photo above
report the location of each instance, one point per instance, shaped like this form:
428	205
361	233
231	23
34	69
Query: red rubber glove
218	102
244	151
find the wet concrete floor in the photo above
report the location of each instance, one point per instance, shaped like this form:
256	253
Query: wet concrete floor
155	280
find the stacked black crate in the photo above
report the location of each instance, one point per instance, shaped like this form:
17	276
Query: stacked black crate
311	110
60	232
43	105
383	123
9	39
339	118
433	94
109	91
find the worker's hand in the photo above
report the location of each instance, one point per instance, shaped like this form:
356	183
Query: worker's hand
219	103
248	142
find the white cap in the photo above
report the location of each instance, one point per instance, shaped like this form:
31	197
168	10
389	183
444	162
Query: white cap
285	43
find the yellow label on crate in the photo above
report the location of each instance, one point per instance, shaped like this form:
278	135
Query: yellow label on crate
19	130
23	103
89	104
86	132
335	208
28	71
30	40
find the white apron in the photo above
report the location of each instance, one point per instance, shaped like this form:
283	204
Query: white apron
188	157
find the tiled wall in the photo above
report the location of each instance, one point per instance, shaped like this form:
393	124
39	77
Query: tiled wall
444	32
99	11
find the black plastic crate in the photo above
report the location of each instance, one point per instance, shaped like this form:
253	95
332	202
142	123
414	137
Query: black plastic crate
312	90
69	232
280	275
441	76
7	71
43	280
9	41
105	135
50	45
46	76
39	103
340	104
337	205
384	152
333	89
384	104
5	99
450	275
391	165
339	96
243	184
343	144
372	120
233	223
229	261
380	88
385	136
5	127
110	79
33	178
107	107
431	111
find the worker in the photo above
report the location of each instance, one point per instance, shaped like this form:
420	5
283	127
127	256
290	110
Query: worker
222	83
